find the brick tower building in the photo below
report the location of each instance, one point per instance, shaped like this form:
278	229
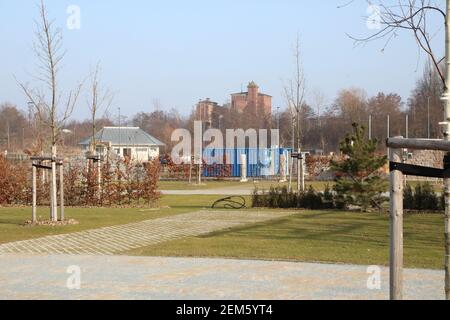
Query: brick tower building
252	101
209	112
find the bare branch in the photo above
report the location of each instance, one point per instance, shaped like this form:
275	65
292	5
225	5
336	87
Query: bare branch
407	15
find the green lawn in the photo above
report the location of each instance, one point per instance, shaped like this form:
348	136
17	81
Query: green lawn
12	219
319	236
217	184
325	236
260	184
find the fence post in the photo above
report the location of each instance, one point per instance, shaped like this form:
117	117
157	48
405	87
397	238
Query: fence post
396	228
282	167
61	189
33	210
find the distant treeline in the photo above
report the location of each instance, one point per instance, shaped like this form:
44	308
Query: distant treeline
323	124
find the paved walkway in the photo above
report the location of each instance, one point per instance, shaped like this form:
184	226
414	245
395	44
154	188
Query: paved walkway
115	239
121	277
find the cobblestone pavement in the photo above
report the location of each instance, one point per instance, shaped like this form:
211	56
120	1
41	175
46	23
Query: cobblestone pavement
115	239
122	277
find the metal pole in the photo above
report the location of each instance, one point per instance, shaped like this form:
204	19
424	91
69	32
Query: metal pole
388	126
428	119
407	126
278	118
8	136
120	142
388	133
396	229
299	172
446	100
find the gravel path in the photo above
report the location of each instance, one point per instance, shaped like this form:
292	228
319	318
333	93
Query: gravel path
116	239
122	277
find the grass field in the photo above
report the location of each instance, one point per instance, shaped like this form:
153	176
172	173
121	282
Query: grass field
12	219
318	236
215	184
260	184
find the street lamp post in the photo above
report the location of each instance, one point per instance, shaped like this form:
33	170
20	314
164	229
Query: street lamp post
428	119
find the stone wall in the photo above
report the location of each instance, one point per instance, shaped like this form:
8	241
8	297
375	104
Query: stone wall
426	158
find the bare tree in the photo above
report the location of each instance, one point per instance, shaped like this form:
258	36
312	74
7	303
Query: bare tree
294	92
49	53
319	101
99	100
414	16
407	15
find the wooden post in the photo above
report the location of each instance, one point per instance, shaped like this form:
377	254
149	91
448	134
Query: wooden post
291	169
53	191
99	178
33	208
446	100
199	174
396	229
190	170
61	189
282	167
447	229
300	172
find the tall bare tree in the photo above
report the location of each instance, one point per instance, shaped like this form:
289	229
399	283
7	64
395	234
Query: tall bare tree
99	100
47	99
294	92
319	104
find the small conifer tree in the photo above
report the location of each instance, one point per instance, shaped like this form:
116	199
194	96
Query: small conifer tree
358	178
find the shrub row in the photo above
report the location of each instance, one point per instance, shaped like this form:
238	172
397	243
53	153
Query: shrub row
282	198
121	182
422	197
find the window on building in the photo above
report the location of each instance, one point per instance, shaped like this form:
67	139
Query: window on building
127	152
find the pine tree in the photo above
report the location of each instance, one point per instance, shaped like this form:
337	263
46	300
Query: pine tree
359	180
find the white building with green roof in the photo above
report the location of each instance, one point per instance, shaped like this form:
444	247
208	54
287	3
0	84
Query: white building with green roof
130	142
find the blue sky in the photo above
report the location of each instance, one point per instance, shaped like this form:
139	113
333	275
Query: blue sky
181	51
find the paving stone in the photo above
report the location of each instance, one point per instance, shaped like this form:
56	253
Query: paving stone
28	276
116	239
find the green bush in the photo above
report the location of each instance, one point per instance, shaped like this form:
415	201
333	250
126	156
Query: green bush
408	198
282	198
423	198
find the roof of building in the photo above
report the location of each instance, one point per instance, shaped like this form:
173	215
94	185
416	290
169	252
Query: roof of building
253	84
125	136
246	94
